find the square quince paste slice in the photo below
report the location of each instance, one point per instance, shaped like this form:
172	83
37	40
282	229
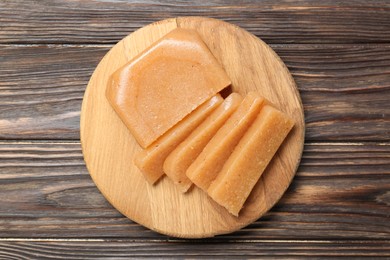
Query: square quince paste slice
211	160
249	159
150	160
180	159
164	83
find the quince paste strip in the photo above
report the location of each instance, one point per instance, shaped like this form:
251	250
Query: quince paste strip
211	160
246	164
150	160
180	159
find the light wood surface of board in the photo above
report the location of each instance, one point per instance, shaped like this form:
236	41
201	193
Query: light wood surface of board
109	148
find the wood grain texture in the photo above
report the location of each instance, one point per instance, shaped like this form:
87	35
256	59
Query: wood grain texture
41	90
183	249
109	149
46	191
341	191
343	88
282	21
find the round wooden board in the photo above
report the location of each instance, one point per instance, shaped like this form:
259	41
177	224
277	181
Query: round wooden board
109	148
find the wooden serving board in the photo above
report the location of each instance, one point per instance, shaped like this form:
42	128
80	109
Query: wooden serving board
109	148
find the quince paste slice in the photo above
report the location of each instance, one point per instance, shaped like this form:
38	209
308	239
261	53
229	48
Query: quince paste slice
249	159
211	160
180	159
165	83
150	160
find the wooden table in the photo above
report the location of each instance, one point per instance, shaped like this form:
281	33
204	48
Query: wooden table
339	201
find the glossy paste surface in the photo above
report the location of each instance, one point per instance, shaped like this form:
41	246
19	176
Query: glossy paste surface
163	84
210	161
180	159
150	160
249	159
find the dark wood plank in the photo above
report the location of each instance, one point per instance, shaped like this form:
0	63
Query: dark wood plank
282	21
228	249
345	89
341	191
41	89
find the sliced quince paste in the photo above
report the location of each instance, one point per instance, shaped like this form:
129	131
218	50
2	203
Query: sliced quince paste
150	160
164	83
180	159
211	160
249	159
